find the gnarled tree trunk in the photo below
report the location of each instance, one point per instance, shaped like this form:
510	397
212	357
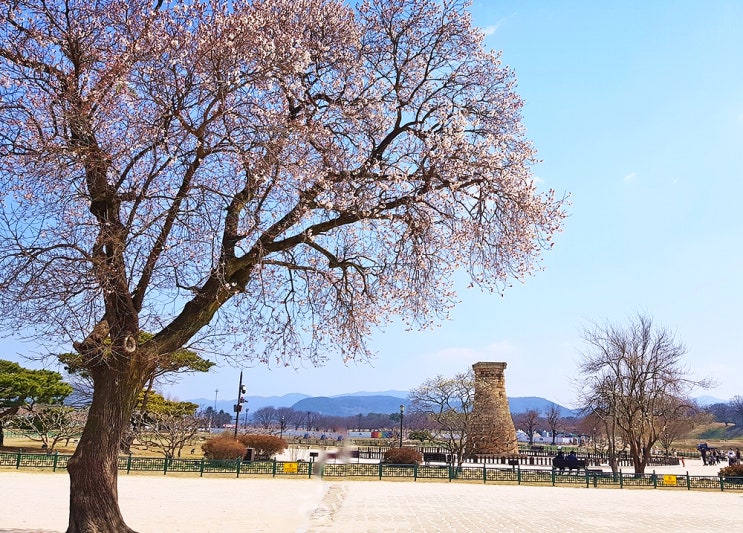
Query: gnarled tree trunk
93	468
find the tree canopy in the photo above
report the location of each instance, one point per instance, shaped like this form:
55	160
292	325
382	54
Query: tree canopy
22	386
264	178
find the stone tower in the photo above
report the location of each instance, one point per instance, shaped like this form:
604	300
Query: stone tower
492	430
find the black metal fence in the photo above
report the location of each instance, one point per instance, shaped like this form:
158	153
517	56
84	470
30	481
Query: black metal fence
530	457
485	473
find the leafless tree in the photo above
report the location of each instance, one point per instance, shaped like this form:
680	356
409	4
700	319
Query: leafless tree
266	178
171	432
628	374
50	424
677	420
448	402
265	416
553	420
736	408
528	422
286	416
722	412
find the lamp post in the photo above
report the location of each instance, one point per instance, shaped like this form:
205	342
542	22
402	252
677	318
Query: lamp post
595	457
240	400
214	411
402	414
282	421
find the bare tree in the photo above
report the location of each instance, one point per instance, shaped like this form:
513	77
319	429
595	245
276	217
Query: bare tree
676	420
722	412
448	402
171	432
528	422
736	408
265	178
265	417
628	375
50	424
553	419
286	417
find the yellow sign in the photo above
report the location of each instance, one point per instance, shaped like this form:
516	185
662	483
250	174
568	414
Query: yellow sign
669	480
291	468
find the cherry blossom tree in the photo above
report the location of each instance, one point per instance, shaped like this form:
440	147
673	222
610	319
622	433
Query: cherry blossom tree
258	178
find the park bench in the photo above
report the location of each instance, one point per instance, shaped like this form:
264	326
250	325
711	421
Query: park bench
561	463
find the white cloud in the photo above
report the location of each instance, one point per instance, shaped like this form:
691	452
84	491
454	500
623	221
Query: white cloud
502	349
456	354
490	30
629	177
497	351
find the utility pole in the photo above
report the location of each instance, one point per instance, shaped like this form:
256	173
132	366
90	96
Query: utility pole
402	414
240	400
214	411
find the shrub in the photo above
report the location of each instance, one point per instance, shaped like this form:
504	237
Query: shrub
421	435
265	446
403	456
732	470
223	447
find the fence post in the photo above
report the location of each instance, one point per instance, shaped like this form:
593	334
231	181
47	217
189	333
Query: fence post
722	485
201	468
309	470
238	462
688	481
518	473
415	471
380	470
450	472
165	465
18	459
129	463
553	476
56	456
655	480
274	467
621	479
484	473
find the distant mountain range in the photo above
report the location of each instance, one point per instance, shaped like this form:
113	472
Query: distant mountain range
363	403
706	401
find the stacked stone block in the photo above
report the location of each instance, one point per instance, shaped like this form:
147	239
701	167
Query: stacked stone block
492	431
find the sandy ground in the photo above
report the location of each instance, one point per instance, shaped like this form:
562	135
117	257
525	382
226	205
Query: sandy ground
35	502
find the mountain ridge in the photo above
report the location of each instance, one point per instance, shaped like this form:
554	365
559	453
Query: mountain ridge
362	402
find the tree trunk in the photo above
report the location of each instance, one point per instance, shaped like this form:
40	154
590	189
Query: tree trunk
93	468
639	459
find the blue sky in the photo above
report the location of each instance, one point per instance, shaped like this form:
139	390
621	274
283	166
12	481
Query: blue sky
636	109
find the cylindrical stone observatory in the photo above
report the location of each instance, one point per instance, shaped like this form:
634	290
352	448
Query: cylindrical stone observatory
492	430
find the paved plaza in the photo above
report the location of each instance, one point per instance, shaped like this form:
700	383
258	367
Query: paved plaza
38	502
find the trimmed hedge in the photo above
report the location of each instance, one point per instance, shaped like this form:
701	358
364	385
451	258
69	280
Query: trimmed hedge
223	447
403	456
